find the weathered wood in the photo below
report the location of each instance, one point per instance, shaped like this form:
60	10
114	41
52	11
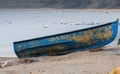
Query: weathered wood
84	39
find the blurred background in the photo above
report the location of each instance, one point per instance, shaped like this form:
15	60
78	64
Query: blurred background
61	4
17	25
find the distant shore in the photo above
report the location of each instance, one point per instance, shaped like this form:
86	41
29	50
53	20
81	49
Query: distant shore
66	10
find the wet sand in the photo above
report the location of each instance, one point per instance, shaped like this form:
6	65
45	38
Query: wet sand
82	62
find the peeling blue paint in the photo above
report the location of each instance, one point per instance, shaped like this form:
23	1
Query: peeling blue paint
84	39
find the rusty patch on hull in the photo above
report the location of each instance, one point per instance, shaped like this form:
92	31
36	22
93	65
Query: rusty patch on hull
52	51
89	36
107	34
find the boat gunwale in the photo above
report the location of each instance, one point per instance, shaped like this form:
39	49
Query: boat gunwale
110	23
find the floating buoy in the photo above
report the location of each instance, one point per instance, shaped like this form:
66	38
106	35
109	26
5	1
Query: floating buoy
45	26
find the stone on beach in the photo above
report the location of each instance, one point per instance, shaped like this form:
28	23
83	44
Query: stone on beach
115	71
27	60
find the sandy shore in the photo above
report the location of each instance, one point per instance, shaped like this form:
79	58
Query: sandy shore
82	62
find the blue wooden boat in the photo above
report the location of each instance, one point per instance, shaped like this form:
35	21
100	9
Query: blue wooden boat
85	39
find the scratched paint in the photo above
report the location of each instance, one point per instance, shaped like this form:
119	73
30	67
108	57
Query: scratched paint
85	38
53	50
89	35
82	39
50	51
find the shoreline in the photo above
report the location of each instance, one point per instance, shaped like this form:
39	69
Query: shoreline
63	10
102	62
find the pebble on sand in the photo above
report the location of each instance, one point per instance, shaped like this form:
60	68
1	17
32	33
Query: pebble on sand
115	71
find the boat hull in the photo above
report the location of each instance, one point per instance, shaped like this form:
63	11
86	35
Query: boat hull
119	41
84	39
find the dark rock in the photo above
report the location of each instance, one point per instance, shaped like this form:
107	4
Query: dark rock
119	41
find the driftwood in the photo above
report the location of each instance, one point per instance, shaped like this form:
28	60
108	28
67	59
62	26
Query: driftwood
5	64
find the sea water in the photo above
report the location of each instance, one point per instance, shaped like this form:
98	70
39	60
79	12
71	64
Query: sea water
17	25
